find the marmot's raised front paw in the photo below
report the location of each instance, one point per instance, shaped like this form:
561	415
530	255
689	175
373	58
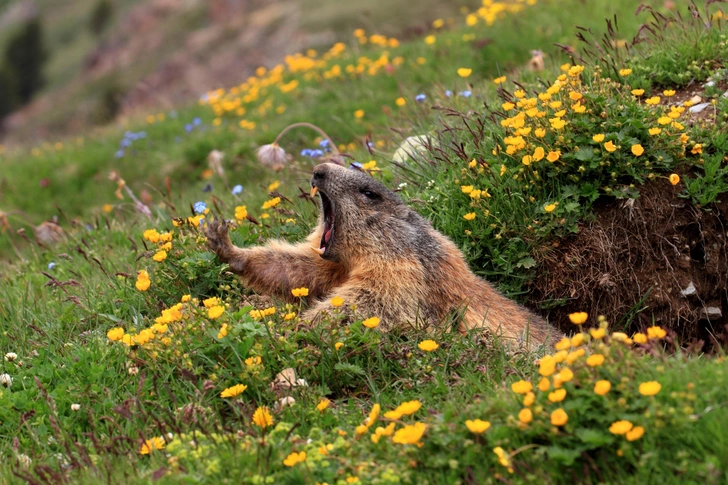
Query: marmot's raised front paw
218	239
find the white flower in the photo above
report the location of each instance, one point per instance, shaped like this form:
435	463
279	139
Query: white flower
6	380
24	460
75	407
272	156
133	370
402	185
11	356
413	148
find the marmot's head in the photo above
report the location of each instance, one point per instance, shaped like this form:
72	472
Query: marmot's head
362	217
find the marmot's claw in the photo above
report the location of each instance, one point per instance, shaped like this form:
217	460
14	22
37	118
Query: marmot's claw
217	238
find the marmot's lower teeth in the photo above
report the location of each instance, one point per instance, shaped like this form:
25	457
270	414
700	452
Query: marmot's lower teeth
313	191
319	251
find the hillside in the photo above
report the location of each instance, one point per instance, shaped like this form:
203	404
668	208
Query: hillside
579	165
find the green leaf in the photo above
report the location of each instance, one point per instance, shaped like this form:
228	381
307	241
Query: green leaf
528	262
350	368
594	438
562	455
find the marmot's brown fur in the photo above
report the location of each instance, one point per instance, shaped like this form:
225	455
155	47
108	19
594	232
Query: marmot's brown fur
375	252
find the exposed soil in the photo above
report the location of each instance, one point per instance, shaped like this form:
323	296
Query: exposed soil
635	262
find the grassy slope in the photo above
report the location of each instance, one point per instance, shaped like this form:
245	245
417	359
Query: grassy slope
59	332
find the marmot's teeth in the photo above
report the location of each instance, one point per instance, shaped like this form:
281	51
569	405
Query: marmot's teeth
314	190
319	251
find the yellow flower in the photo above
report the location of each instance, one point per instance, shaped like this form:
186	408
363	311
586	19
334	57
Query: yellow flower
373	415
299	292
294	458
549	207
107	208
151	235
428	345
638	92
674	179
669	92
337	301
160	256
499	80
538	154
359	114
410	434
544	384
215	312
559	417
148	446
370	165
361	429
143	282
503	458
557	123
654	131
653	100
547	366
241	212
233	391
639	338
597	333
525	415
371	322
522	387
635	433
400	101
526	160
477	426
664	120
610	146
274	185
508	106
338	345
529	399
595	360
437	24
565	375
602	387
579	317
558	395
115	334
409	407
553	156
650	388
253	361
625	72
323	404
620	427
469	216
262	417
464	72
466	188
598	138
271	203
637	150
430	39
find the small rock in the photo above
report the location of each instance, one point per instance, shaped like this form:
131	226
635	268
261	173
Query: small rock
712	313
709	84
696	99
690	290
698	107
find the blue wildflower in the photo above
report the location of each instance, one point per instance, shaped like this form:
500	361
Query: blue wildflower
317	153
51	265
189	127
420	98
207	188
238	189
197	121
356	165
324	144
199	207
465	94
119	153
306	152
448	93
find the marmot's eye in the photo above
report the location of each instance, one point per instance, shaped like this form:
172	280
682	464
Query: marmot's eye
370	195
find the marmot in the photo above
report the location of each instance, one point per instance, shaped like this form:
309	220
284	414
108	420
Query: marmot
372	250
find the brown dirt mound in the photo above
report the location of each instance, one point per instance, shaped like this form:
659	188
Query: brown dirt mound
656	259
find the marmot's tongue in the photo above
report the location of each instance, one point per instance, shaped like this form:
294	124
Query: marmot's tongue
327	236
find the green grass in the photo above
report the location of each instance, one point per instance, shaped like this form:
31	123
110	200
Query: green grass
55	317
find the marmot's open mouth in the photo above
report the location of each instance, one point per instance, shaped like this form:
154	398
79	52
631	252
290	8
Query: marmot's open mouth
327	238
